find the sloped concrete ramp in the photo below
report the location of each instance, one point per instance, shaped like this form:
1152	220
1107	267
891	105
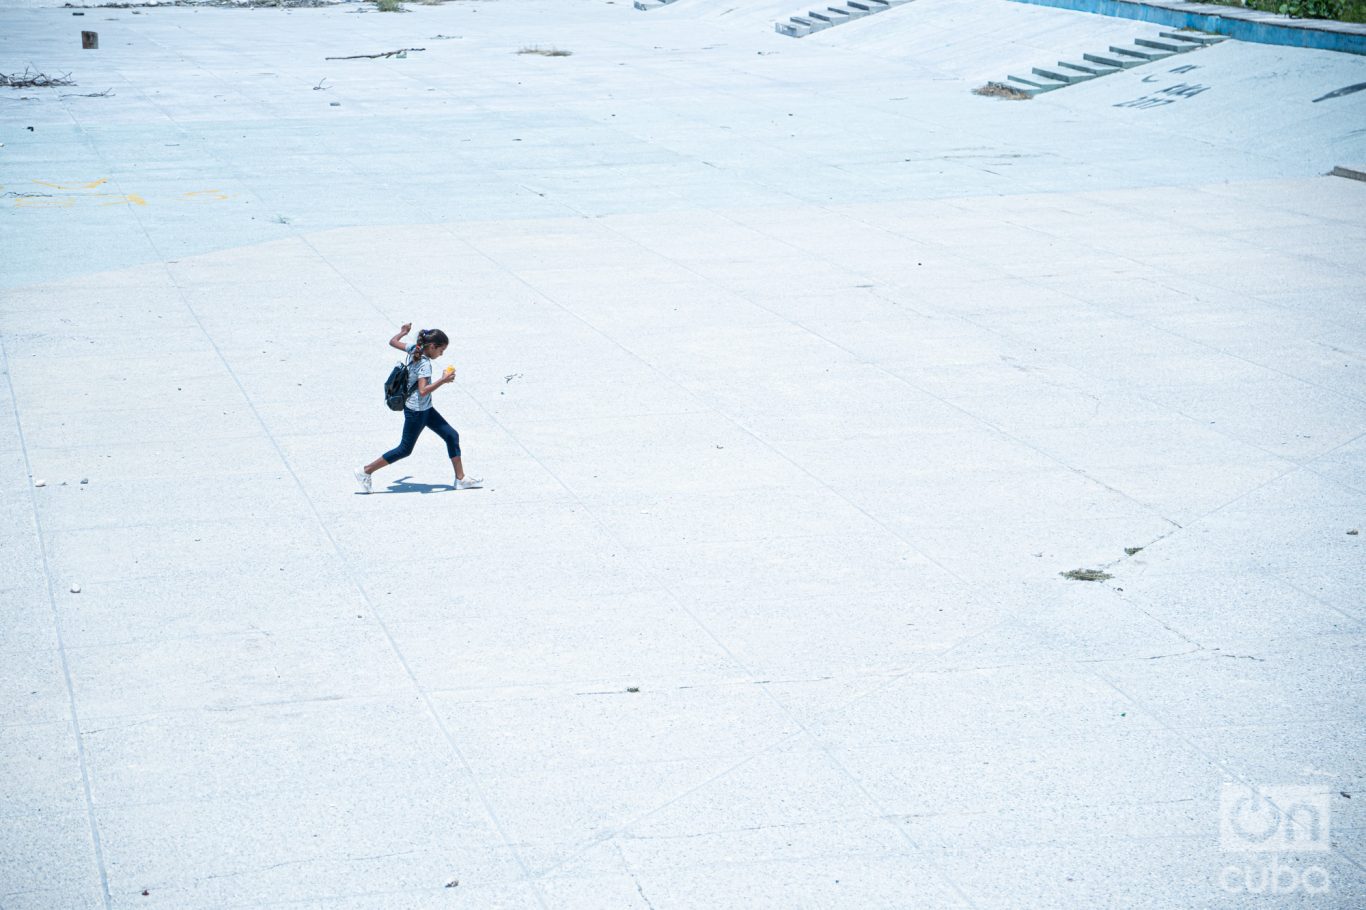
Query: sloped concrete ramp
798	377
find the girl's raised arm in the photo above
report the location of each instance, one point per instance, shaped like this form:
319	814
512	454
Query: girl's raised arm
397	340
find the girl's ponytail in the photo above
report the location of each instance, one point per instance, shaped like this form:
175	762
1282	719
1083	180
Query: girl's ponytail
426	337
420	343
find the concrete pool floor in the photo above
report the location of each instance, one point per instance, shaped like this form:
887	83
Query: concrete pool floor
797	374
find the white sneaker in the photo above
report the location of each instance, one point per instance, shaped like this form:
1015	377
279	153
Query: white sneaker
469	483
363	479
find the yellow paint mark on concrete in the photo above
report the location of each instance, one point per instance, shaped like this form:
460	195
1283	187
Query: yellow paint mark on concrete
74	186
206	196
44	202
120	199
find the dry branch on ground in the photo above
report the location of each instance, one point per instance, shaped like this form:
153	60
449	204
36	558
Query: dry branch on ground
401	52
31	79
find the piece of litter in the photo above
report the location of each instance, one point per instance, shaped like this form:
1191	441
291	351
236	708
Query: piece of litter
40	483
334	104
75	589
633	688
1354	532
452	883
1130	551
1086	575
85	480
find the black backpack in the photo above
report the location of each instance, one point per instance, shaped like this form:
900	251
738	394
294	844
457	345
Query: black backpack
396	387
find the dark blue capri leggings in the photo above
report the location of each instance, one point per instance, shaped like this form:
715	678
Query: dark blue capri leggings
413	424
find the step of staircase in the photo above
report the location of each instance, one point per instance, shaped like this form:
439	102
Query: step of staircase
1095	69
1037	83
1176	47
1115	60
1065	76
1144	54
1199	38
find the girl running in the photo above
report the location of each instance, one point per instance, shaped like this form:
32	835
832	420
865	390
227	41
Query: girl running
418	412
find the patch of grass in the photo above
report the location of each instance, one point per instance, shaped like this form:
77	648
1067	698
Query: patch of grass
1130	551
1087	575
1001	90
1340	10
390	6
545	51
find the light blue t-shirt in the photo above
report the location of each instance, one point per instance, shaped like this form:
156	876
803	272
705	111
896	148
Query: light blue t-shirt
419	367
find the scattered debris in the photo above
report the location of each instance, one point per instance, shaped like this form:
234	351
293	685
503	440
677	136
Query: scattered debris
1354	532
633	688
320	87
545	51
107	93
1086	575
334	104
443	37
31	79
281	219
390	6
1345	794
512	376
75	589
400	54
90	41
1130	551
145	892
40	483
85	480
1001	90
453	883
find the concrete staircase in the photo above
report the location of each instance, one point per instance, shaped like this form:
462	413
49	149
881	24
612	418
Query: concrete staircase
1143	50
820	18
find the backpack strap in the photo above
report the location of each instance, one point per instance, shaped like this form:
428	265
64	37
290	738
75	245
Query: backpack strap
412	361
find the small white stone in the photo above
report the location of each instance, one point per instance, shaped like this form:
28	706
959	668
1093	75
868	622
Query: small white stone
40	483
75	589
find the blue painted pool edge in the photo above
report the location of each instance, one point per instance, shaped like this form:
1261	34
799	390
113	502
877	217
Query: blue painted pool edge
1260	32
